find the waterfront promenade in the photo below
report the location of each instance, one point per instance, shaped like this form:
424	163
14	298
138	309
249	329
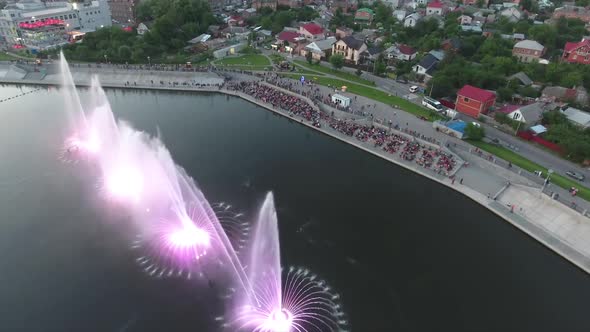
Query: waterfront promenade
551	223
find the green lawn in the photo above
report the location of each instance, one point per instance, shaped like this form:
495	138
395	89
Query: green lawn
249	59
530	166
337	73
374	94
6	57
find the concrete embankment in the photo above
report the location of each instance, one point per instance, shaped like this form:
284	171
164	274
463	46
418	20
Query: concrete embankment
570	251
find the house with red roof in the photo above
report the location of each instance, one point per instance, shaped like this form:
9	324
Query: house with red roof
577	52
400	52
312	32
289	41
434	8
474	101
236	21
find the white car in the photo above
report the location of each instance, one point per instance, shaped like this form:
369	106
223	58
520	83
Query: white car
413	88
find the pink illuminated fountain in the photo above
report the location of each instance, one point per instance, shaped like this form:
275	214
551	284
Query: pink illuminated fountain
294	300
182	235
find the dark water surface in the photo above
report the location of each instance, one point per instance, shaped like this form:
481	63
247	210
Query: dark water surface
404	253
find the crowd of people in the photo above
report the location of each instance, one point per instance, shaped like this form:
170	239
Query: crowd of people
408	146
295	105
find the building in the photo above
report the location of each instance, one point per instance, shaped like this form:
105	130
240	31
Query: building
290	3
392	3
350	48
561	94
340	100
411	20
426	66
528	51
143	27
474	2
464	20
577	52
321	49
257	4
521	78
399	15
577	117
401	52
17	20
343	32
529	115
312	31
474	101
567	11
435	7
123	11
452	44
512	14
364	15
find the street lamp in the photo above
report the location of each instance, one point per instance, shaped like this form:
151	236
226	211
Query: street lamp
149	61
549	172
106	58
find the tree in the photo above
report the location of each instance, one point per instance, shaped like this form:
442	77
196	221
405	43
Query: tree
505	93
308	57
124	53
337	61
474	132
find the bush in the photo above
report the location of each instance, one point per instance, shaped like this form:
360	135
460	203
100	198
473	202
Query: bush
474	132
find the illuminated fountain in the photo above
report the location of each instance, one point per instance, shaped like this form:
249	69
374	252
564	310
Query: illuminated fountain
181	235
291	300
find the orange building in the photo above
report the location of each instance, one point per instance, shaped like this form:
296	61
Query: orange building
474	101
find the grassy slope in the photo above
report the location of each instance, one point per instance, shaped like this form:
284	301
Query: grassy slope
340	74
524	163
374	94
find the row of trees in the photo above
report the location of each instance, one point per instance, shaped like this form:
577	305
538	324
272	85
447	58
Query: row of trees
174	22
277	20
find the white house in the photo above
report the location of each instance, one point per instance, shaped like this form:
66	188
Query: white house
512	14
392	3
411	20
142	28
319	49
350	48
435	7
400	15
401	52
529	114
577	117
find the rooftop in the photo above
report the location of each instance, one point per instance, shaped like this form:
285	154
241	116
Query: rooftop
313	28
530	45
474	93
435	4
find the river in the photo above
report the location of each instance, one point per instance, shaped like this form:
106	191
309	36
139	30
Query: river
405	253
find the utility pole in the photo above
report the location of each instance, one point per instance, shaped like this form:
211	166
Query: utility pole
431	88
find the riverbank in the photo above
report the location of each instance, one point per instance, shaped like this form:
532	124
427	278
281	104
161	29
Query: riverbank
563	244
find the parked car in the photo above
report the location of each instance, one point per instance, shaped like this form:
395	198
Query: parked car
574	175
401	79
414	89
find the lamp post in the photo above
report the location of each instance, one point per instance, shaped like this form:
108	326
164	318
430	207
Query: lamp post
106	59
149	61
549	172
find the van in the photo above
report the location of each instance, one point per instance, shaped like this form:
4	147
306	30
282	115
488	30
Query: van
414	89
432	104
